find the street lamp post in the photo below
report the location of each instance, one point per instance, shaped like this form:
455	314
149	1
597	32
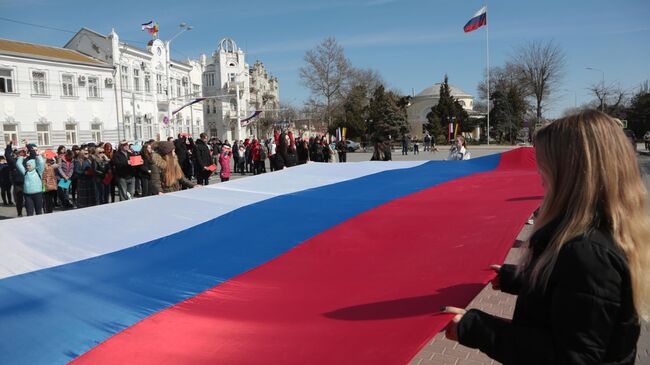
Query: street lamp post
602	104
184	27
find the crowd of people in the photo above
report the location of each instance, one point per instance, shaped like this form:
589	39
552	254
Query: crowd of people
90	174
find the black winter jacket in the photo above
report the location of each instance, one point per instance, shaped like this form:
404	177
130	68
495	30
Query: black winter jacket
121	166
15	176
585	316
202	155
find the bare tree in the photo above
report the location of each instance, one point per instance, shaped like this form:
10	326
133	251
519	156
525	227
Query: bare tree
368	78
326	72
608	96
542	67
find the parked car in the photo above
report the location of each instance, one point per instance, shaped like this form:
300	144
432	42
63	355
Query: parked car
352	145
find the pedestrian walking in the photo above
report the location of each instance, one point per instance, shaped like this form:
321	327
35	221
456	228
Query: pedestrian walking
405	145
582	284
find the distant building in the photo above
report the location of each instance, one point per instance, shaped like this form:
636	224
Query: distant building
422	103
226	83
55	96
149	84
264	93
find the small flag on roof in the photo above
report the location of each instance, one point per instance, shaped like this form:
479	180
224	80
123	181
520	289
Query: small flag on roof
151	27
478	20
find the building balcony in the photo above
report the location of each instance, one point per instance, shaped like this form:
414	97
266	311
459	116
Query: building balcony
231	86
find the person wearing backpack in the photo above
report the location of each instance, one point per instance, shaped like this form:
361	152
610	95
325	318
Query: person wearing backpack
32	171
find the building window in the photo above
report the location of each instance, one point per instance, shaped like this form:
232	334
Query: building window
6	81
178	87
159	84
214	106
43	132
172	88
38	82
125	77
96	132
196	90
231	77
148	127
70	133
138	128
10	132
210	79
67	81
147	82
136	79
93	88
127	127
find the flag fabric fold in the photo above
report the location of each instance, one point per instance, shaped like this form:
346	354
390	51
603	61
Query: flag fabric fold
478	20
249	119
197	100
192	283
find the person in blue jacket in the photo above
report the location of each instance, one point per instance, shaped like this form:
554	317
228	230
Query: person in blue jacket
33	186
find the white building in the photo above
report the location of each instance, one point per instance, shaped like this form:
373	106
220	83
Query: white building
422	103
149	86
54	96
264	90
226	84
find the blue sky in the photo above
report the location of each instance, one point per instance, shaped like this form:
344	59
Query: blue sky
412	43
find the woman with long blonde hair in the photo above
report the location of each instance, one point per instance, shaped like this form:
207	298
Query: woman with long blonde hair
166	174
583	286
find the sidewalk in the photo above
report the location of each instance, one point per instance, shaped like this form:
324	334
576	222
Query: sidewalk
441	351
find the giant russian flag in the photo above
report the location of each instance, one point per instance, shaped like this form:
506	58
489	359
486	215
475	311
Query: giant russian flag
478	20
316	264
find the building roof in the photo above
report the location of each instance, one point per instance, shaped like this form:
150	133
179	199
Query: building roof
31	50
434	91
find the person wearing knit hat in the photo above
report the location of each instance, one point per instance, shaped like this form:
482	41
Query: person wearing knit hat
165	148
166	174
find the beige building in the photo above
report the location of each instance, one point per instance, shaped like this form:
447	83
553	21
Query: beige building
422	103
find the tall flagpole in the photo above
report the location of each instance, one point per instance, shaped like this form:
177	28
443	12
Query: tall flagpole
487	47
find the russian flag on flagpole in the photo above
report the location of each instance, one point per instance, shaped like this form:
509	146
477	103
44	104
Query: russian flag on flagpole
478	20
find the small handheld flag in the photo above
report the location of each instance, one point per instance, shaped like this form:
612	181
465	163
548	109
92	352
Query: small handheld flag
478	20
